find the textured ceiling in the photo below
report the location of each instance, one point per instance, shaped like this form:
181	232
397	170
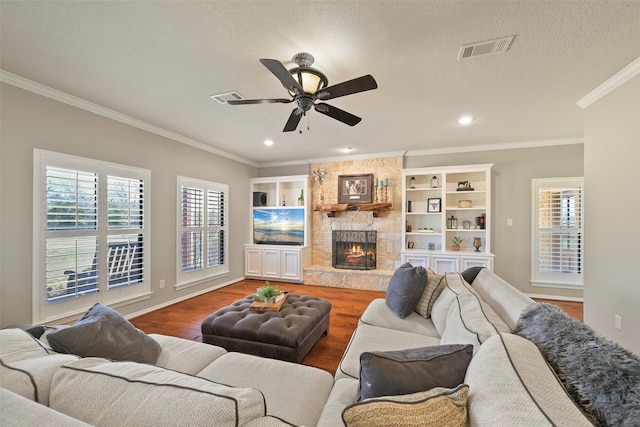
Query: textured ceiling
159	61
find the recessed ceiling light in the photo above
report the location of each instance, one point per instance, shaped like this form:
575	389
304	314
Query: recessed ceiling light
465	120
346	149
268	143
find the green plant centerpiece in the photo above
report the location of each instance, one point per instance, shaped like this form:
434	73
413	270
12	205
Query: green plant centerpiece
267	293
455	241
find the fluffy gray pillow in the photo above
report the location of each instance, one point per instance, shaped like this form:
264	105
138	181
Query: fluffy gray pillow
103	332
392	373
405	289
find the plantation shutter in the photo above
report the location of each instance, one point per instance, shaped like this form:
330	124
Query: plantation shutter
202	229
558	232
89	233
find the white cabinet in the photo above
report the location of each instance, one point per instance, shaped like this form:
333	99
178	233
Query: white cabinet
276	263
441	203
280	228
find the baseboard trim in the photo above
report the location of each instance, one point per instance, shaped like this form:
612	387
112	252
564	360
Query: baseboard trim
556	297
183	298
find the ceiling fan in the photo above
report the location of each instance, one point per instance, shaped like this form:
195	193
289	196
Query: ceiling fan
306	86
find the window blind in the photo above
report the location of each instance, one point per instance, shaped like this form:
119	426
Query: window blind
558	233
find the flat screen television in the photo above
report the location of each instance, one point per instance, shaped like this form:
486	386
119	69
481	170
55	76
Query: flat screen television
278	226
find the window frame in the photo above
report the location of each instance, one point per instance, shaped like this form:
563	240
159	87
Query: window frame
556	279
44	311
195	277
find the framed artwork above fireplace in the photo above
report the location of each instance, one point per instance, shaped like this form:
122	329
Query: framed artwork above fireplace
355	188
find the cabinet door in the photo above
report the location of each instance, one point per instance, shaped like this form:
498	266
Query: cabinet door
445	264
416	260
290	264
253	262
271	263
468	262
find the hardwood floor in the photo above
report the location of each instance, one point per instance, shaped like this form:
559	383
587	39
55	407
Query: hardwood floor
183	319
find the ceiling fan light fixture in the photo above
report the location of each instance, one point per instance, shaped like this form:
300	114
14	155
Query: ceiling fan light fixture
310	79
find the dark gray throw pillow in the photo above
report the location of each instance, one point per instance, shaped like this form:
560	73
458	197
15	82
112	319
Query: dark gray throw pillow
103	332
405	289
469	275
392	373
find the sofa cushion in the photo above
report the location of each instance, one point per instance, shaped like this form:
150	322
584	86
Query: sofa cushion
598	373
435	284
510	384
378	313
441	309
405	289
26	366
189	357
15	410
103	332
295	393
436	407
506	301
343	394
469	275
373	338
390	373
468	322
128	394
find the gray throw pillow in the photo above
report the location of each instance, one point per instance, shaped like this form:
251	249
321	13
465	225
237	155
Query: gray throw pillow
103	332
469	275
405	289
392	373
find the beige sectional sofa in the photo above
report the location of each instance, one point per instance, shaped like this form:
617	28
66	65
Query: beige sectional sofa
199	384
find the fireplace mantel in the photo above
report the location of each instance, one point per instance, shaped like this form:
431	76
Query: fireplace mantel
332	208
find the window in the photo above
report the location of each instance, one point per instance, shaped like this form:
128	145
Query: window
202	231
90	234
558	232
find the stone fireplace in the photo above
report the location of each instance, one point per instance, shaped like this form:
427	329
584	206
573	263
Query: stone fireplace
354	249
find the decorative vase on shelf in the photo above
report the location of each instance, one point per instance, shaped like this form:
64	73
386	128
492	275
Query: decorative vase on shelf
477	243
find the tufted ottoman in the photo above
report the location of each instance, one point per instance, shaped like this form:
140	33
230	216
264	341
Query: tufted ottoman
288	334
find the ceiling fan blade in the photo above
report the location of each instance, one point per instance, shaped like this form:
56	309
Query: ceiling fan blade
287	80
338	114
349	87
258	101
293	121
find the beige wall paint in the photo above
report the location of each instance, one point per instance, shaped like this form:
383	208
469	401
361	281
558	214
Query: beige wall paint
612	150
31	121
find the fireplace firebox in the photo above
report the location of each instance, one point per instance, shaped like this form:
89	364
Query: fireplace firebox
354	250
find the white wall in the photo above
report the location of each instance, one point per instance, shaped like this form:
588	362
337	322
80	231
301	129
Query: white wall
612	217
32	121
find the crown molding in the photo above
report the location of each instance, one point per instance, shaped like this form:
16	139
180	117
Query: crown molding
495	147
83	104
612	83
333	159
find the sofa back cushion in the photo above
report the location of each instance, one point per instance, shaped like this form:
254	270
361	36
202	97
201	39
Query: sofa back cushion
511	384
127	393
26	366
507	301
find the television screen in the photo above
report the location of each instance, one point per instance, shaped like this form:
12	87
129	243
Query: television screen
281	226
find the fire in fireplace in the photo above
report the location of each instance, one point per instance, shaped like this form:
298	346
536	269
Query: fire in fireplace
354	250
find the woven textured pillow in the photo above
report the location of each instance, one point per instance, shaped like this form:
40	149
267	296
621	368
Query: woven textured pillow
439	407
435	285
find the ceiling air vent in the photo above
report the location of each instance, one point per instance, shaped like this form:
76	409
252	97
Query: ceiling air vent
222	98
483	48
